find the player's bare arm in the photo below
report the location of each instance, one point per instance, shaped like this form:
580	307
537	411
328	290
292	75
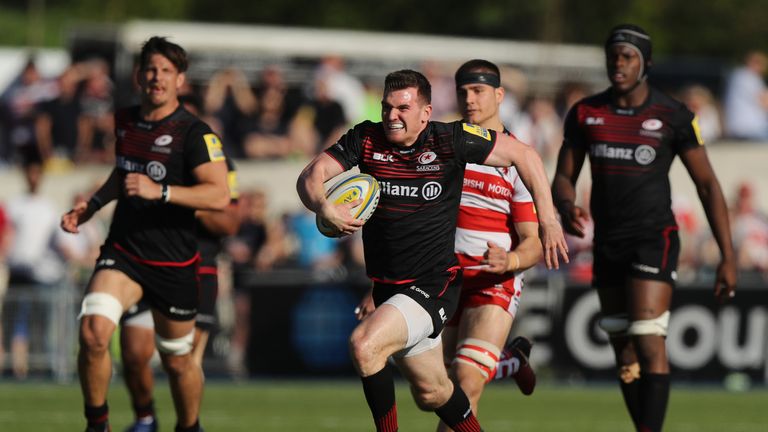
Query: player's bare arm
310	189
509	151
711	195
569	163
224	222
210	193
366	306
83	211
527	253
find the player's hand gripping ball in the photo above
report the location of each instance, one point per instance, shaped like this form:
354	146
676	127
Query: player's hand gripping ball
351	188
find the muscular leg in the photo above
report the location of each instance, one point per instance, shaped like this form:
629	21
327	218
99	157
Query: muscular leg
137	346
198	350
488	323
184	375
613	301
434	391
93	361
373	340
648	300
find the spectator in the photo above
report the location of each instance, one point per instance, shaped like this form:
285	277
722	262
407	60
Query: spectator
58	119
19	107
700	100
546	130
343	87
33	261
258	245
96	123
750	231
328	120
746	100
229	102
270	132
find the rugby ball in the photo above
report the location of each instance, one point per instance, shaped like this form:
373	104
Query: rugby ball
348	189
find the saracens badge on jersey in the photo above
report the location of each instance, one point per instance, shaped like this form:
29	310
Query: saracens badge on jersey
645	154
156	171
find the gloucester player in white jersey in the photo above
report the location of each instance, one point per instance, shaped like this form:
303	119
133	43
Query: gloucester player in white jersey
496	239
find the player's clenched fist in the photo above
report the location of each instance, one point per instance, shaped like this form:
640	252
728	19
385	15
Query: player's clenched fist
139	185
76	217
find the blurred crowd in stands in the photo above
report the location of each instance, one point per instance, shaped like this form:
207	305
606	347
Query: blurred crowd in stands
61	122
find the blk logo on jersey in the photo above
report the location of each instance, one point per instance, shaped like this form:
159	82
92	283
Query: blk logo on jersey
595	121
383	157
156	171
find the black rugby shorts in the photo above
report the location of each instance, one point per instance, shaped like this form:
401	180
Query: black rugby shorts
437	294
652	256
174	291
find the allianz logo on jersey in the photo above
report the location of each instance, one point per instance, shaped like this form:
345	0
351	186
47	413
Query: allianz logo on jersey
429	191
642	154
155	170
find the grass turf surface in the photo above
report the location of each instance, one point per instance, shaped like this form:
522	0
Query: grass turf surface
268	406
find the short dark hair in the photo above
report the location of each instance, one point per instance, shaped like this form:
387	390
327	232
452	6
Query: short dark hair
160	45
477	65
407	78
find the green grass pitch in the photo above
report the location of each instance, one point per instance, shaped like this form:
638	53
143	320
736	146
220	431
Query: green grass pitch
338	406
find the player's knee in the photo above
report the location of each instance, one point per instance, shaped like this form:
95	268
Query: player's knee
470	380
95	334
478	355
430	396
364	351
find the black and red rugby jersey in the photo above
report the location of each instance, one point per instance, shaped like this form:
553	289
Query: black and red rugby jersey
166	151
630	152
411	233
208	243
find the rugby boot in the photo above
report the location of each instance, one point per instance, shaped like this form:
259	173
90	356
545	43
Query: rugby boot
515	363
141	425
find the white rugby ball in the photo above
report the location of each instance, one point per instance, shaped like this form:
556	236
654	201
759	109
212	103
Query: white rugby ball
348	189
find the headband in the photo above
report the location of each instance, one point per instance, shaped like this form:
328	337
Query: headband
478	78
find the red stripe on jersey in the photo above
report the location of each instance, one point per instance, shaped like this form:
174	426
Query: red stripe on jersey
335	160
480	219
186	263
207	270
454	271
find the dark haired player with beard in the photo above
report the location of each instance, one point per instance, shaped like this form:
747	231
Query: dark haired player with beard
632	132
169	164
409	240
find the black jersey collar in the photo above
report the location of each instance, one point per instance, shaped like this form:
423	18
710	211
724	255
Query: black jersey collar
420	140
631	110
